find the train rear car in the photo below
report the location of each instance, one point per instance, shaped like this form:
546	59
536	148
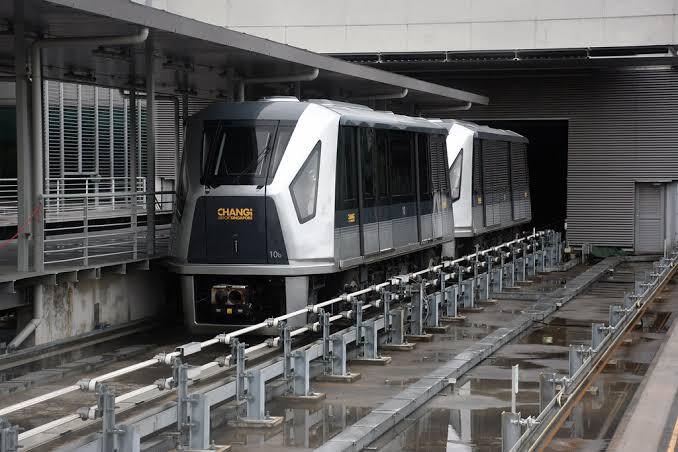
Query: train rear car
490	183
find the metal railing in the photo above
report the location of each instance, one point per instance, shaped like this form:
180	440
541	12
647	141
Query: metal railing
9	197
106	190
81	229
558	393
419	300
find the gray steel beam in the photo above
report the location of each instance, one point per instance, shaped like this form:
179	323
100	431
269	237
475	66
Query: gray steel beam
23	146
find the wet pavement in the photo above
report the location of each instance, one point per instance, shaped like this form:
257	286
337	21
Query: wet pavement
466	415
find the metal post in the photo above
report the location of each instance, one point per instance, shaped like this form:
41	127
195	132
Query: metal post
510	430
9	436
324	319
238	355
451	302
598	333
417	315
575	359
286	343
358	322
386	304
433	314
616	314
370	340
514	386
106	406
193	412
132	150
150	145
397	336
301	385
85	226
339	355
256	395
547	389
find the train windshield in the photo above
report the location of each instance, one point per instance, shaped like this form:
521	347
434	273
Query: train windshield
241	152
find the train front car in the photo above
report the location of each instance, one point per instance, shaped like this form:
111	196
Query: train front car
489	177
282	202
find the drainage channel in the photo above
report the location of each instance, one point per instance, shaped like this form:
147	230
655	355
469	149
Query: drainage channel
467	415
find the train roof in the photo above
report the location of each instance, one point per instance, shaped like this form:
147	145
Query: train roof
484	132
290	109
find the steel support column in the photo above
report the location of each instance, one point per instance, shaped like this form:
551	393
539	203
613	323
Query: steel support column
23	146
150	147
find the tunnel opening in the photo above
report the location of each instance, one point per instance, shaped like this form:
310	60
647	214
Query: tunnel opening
547	161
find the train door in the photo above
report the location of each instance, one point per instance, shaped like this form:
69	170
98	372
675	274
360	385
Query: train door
384	214
346	217
367	143
402	185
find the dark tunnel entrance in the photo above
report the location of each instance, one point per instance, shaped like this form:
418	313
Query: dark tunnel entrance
547	160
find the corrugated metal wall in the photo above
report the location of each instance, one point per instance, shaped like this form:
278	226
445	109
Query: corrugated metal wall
78	135
623	125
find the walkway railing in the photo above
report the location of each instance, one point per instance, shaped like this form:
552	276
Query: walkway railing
79	229
8	198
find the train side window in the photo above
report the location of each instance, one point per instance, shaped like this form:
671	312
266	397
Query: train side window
282	139
402	164
346	196
383	183
455	176
425	192
367	148
304	186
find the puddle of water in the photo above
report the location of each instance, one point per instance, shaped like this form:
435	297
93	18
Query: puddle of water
301	427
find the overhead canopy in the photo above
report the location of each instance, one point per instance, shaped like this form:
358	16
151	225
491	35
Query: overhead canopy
200	58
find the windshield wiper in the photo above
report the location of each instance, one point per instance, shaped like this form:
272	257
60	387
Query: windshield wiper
253	164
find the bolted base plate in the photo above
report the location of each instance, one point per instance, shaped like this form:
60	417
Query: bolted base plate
406	346
489	301
419	337
312	398
381	361
459	318
348	378
437	329
270	422
525	282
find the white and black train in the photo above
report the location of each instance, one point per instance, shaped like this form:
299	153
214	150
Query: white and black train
490	182
282	203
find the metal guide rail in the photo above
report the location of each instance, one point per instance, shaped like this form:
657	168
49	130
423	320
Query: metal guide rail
558	393
404	305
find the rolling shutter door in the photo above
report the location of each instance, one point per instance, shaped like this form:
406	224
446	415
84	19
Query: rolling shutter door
649	218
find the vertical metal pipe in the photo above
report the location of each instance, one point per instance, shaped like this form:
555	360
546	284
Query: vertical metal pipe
37	176
241	91
62	151
45	121
111	143
177	142
23	146
79	124
96	130
150	147
133	153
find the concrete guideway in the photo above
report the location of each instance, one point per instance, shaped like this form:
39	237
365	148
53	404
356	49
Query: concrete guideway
392	411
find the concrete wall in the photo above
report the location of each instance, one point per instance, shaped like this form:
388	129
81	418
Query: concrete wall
354	26
69	307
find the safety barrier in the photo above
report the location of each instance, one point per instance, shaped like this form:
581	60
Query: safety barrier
91	232
556	392
408	307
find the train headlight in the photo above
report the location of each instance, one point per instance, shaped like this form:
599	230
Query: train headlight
229	295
